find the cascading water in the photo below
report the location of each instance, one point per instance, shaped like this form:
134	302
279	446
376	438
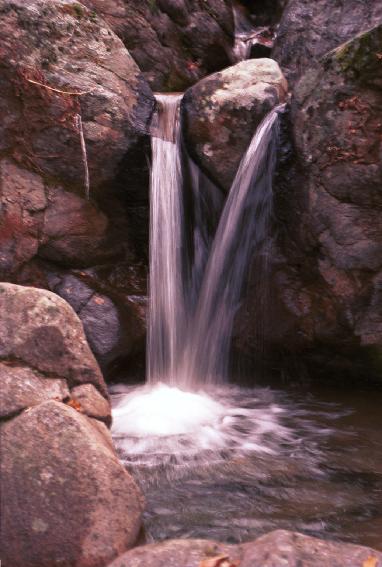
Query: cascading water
242	232
216	461
190	322
166	290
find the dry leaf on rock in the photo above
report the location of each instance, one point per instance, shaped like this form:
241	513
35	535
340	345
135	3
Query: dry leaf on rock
370	562
74	404
219	561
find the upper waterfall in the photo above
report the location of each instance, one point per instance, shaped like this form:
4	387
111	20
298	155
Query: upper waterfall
194	297
166	299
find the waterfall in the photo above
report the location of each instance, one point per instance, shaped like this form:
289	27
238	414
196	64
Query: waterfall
191	322
242	233
198	266
166	289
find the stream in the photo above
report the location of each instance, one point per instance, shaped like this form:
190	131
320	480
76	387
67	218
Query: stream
286	459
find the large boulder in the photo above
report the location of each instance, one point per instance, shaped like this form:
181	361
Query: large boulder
59	61
174	42
40	330
329	271
66	498
221	113
272	550
309	29
79	508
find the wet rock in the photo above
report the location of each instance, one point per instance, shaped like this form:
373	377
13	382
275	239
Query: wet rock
80	508
222	111
40	330
112	310
174	42
310	29
272	550
327	298
21	387
52	48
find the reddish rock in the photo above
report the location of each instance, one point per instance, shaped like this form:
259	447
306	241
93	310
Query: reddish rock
79	506
51	48
174	43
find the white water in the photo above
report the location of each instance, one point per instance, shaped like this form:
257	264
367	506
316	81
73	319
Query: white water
242	232
191	322
166	299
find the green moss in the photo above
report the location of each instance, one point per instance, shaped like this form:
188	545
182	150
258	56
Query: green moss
76	10
360	57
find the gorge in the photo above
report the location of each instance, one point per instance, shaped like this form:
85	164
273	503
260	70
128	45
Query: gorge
190	294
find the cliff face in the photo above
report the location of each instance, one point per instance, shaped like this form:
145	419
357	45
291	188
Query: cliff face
326	302
175	43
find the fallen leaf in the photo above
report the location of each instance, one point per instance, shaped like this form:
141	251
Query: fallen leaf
75	405
219	561
370	562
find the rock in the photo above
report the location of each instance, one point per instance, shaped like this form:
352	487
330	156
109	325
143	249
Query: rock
49	48
222	111
329	255
310	29
21	387
289	548
272	550
112	310
174	42
74	230
49	222
92	403
176	553
40	330
80	508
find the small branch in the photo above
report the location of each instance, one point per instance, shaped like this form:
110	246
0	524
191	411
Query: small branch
84	155
72	93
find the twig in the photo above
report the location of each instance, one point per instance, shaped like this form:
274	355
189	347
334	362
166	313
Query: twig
84	154
80	93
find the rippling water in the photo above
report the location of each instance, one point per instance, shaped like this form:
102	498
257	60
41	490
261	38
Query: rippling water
232	463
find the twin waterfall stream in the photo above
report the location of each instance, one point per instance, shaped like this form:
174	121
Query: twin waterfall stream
189	339
215	460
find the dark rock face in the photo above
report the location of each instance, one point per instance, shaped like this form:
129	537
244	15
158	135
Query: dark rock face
112	307
329	275
222	111
174	42
79	506
272	550
52	48
310	29
47	225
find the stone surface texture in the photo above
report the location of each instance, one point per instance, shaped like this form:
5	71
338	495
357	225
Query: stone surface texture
222	111
276	549
174	42
308	30
67	500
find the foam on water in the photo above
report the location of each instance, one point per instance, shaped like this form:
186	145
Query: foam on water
161	425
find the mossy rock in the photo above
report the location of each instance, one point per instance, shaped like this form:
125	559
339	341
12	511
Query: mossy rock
360	58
